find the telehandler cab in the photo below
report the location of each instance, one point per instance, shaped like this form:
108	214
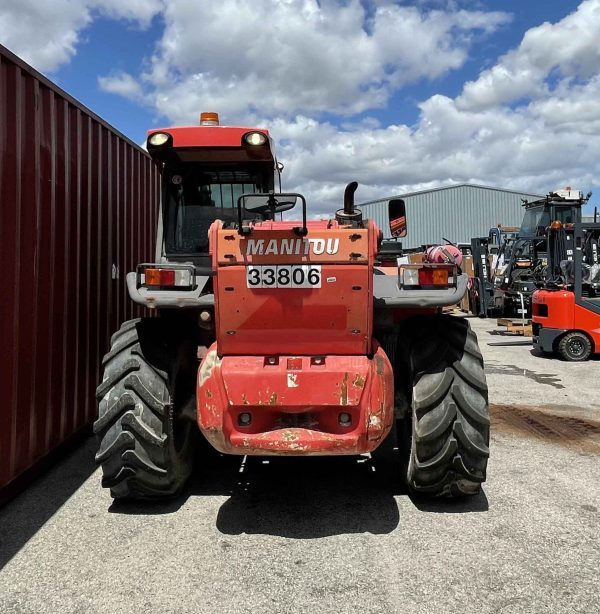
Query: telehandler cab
280	337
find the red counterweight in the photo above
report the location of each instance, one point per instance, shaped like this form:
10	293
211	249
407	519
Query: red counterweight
294	369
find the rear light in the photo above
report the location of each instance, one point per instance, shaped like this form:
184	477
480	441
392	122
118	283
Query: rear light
409	277
161	277
433	277
427	276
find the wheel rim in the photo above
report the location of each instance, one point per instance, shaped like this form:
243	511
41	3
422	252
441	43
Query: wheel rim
576	347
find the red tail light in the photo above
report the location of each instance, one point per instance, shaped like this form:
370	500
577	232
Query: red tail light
433	277
427	275
160	277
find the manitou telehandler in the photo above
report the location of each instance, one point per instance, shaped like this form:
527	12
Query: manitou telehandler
284	337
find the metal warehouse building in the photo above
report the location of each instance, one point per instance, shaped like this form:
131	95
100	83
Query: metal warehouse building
457	212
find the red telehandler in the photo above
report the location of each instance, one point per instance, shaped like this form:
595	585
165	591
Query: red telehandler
281	337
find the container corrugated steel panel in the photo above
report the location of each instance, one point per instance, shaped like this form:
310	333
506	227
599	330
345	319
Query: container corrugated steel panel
457	213
78	209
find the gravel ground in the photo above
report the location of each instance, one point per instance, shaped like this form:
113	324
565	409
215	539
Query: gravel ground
335	535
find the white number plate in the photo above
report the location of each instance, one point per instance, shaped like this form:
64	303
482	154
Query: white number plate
284	276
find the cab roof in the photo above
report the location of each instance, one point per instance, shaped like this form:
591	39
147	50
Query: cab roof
209	136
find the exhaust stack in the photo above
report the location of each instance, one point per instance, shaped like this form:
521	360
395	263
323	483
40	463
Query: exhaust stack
349	215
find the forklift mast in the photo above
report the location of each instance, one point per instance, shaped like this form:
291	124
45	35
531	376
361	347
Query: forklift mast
482	275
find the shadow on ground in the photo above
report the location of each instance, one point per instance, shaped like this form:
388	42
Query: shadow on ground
476	503
307	498
26	514
289	497
298	498
303	498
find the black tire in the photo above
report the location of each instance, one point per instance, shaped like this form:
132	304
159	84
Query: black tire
446	436
146	443
575	347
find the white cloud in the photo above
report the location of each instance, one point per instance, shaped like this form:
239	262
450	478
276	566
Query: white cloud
550	140
45	33
529	122
542	146
283	57
569	47
137	11
123	84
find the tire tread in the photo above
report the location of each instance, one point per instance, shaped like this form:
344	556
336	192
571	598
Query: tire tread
134	413
450	441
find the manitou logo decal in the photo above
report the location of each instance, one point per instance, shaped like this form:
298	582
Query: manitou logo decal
292	247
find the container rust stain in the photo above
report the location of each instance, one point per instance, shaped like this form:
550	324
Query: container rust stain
79	205
549	425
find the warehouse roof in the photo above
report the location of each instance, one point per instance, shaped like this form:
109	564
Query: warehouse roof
459	211
450	187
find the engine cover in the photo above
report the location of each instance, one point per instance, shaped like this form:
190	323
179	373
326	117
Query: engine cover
280	293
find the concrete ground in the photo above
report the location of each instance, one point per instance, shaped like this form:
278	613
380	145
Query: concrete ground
335	535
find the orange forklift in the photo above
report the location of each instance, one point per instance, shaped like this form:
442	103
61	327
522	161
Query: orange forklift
566	308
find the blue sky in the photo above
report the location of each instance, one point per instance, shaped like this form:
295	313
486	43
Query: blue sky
400	95
110	45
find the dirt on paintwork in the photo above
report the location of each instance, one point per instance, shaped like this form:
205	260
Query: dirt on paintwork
549	425
344	390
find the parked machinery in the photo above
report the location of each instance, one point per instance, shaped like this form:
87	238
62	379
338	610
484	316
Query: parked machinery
481	290
500	242
515	280
284	337
566	308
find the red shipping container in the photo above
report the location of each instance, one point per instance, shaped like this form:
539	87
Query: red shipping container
78	210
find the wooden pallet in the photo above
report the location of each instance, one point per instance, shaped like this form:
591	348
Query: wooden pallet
516	327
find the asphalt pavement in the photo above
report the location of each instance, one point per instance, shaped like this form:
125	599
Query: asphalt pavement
335	535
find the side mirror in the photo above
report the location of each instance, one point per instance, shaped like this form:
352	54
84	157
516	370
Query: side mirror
397	217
